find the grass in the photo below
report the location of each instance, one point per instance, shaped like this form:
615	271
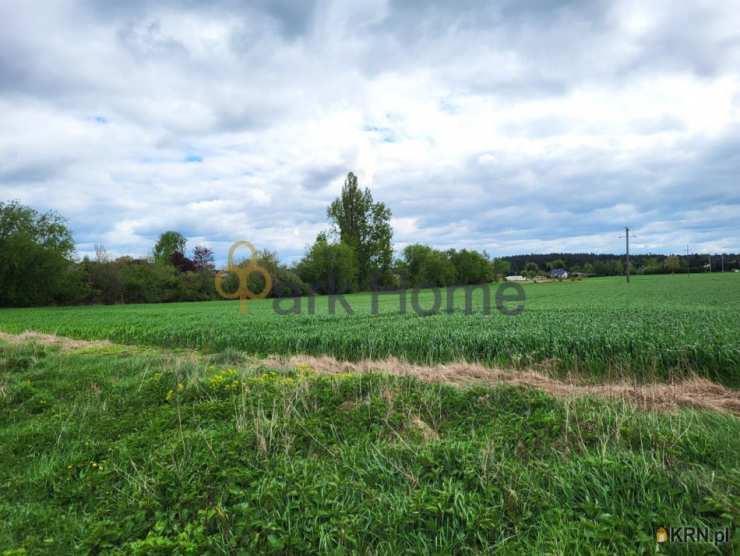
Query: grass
140	447
139	451
655	328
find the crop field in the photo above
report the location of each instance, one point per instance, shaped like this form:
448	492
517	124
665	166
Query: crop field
656	327
180	438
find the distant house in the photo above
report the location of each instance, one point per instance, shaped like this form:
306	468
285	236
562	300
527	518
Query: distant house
516	279
559	273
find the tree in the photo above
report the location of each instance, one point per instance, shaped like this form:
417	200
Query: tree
181	262
411	267
612	267
169	243
422	266
101	253
438	270
285	282
531	269
471	267
364	226
140	281
329	268
104	281
557	263
36	252
203	259
672	264
500	268
651	266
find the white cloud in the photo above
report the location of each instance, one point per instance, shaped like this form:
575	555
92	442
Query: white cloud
506	128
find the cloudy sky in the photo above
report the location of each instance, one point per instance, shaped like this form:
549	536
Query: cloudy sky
509	126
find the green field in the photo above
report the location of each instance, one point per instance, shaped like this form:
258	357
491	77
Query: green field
148	446
656	327
128	450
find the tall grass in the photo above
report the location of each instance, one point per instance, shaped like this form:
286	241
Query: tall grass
139	453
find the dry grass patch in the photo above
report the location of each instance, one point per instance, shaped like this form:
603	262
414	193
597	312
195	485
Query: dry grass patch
65	343
694	392
426	432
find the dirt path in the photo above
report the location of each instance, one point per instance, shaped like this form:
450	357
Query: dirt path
695	392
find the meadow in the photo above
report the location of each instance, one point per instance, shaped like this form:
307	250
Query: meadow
654	328
127	450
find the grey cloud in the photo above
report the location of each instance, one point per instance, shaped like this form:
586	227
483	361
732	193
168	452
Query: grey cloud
320	177
147	41
40	172
250	96
291	19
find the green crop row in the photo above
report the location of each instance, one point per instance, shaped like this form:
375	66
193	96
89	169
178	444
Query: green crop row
656	327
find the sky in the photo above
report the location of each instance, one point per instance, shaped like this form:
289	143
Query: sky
512	126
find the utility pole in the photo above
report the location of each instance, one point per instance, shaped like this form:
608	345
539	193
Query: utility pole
688	262
723	262
627	241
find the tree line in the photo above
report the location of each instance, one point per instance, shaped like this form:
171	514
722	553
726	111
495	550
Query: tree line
592	264
38	265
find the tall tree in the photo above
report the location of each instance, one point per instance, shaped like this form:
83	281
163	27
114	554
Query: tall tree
101	253
364	225
168	244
